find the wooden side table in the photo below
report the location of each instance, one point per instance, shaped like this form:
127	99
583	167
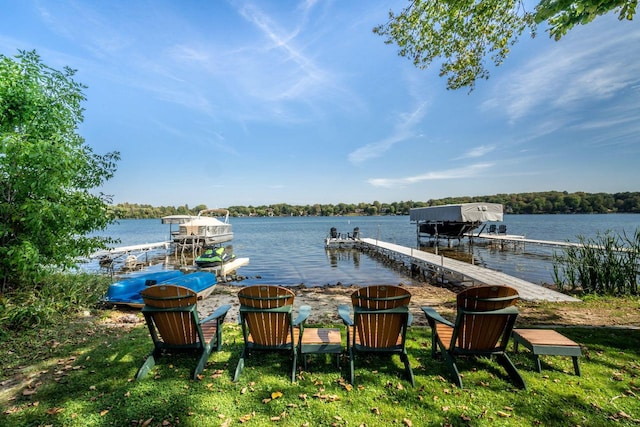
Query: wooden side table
547	342
321	341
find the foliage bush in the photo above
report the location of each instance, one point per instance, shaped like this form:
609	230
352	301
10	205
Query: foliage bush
605	265
55	297
50	178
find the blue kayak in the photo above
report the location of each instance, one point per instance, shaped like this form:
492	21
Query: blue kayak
127	291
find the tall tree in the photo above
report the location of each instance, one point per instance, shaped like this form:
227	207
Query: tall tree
48	175
463	33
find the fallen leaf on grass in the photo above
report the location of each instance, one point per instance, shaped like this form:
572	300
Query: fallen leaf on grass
243	419
503	414
54	411
407	422
276	394
217	374
327	397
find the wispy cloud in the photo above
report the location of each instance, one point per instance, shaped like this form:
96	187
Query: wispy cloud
584	65
476	152
466	172
404	129
298	75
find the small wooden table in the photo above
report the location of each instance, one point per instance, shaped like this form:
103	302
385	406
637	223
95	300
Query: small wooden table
547	342
321	341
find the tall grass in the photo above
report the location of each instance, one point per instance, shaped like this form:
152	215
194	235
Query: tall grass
605	265
47	302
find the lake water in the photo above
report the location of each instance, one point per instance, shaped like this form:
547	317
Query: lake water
290	251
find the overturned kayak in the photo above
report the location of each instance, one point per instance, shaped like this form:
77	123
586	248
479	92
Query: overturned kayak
127	291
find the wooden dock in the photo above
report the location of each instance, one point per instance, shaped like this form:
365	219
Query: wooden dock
463	271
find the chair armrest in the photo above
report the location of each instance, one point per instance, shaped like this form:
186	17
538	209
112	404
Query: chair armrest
432	315
409	319
344	311
219	312
303	314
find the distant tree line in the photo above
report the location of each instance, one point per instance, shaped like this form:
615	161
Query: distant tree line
549	202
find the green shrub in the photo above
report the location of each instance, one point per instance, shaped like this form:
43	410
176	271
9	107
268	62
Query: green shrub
55	297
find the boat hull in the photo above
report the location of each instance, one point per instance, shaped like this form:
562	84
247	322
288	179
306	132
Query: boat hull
124	290
127	292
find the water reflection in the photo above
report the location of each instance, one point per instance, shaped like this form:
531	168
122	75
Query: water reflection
337	255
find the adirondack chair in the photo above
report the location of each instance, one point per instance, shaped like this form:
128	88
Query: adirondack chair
483	325
172	317
266	316
379	325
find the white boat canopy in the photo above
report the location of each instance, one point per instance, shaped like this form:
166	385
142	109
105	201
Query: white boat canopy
464	212
177	219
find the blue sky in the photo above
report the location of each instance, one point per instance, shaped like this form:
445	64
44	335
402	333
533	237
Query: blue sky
257	102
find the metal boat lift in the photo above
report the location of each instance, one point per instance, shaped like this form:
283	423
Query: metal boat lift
452	221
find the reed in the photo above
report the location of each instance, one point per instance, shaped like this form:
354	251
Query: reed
605	265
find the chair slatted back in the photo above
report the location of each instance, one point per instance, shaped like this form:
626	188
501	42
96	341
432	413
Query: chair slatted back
173	311
267	312
486	315
380	316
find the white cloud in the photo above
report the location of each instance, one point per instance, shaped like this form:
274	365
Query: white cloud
404	129
582	66
480	151
458	173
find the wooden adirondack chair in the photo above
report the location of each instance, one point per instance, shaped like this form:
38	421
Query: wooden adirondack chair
379	325
483	325
172	317
266	316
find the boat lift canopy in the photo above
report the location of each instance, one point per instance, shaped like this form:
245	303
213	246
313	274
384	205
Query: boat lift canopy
465	212
453	221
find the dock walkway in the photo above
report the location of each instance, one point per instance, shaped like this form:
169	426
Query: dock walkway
516	239
442	265
126	250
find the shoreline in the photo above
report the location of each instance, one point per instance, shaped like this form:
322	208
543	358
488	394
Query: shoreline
324	300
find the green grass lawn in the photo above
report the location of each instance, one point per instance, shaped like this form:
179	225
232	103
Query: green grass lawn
80	374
